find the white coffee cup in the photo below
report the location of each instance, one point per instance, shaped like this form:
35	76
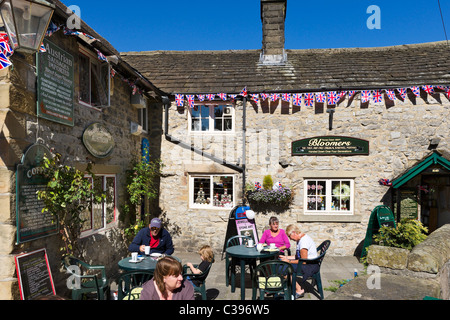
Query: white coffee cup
250	243
147	250
134	256
272	246
259	247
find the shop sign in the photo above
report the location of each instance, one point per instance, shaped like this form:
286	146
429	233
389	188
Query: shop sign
330	145
32	223
55	84
98	141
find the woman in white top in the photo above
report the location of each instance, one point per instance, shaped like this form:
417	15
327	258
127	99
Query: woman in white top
306	249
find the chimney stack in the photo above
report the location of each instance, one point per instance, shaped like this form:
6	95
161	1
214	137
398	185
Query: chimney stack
273	16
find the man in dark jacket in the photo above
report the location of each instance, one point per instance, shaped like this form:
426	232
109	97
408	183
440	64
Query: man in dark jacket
154	236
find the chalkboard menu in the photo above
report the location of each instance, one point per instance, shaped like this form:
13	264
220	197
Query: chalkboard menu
34	275
32	223
408	204
55	84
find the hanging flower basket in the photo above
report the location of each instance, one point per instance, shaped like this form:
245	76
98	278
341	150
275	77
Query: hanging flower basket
280	197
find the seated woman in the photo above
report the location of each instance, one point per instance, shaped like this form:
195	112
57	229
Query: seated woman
167	282
275	235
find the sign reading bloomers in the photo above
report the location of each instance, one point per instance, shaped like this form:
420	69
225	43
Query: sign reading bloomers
330	145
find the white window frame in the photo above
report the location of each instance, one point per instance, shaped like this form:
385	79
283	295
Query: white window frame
89	232
143	118
93	59
210	205
212	119
328	197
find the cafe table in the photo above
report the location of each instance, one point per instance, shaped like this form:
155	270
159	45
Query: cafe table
145	263
242	252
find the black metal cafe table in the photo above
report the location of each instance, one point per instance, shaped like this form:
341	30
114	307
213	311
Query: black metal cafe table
243	253
145	263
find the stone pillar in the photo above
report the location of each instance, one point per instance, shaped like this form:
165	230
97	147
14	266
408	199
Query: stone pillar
273	16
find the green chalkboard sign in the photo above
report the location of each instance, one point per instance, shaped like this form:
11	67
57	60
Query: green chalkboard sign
408	204
330	145
32	223
55	84
381	216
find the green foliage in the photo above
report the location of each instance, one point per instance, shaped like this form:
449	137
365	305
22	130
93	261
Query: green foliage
67	195
268	182
407	235
141	184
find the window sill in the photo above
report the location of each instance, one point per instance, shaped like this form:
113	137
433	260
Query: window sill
329	218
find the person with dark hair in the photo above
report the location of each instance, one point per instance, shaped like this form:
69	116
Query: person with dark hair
167	282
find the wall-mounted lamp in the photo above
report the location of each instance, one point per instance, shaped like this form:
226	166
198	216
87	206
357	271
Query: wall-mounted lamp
434	143
26	22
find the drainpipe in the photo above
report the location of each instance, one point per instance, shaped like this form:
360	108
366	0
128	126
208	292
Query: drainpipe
244	132
166	102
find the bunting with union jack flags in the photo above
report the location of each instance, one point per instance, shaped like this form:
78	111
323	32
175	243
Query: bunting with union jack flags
297	99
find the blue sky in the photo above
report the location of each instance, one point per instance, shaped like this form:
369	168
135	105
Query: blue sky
235	24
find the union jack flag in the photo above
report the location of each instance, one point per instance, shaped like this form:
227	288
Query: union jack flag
391	95
222	96
190	99
244	92
286	97
403	92
210	97
264	96
351	94
320	97
4	45
309	99
428	89
233	96
42	48
101	56
201	97
416	91
179	98
258	186
333	97
365	96
377	96
52	28
274	97
4	62
447	93
255	97
297	99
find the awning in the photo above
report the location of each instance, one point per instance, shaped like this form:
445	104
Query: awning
433	159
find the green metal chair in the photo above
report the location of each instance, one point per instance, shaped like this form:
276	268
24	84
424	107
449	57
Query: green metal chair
130	284
316	279
201	288
231	262
273	277
86	278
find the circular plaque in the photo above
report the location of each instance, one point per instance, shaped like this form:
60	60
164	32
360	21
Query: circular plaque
98	141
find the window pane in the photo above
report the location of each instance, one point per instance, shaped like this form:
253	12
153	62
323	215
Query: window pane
218	124
204	111
316	195
341	195
218	111
202	190
84	78
205	124
97	209
195	125
110	199
223	191
227	124
86	215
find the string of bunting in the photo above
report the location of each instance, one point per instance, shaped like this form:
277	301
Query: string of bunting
309	99
6	50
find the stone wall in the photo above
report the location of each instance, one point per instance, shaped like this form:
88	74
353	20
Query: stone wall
428	260
20	128
399	137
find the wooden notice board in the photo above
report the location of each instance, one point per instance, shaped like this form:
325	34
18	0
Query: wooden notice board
34	275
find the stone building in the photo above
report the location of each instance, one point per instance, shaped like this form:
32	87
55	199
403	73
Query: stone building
85	109
342	128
